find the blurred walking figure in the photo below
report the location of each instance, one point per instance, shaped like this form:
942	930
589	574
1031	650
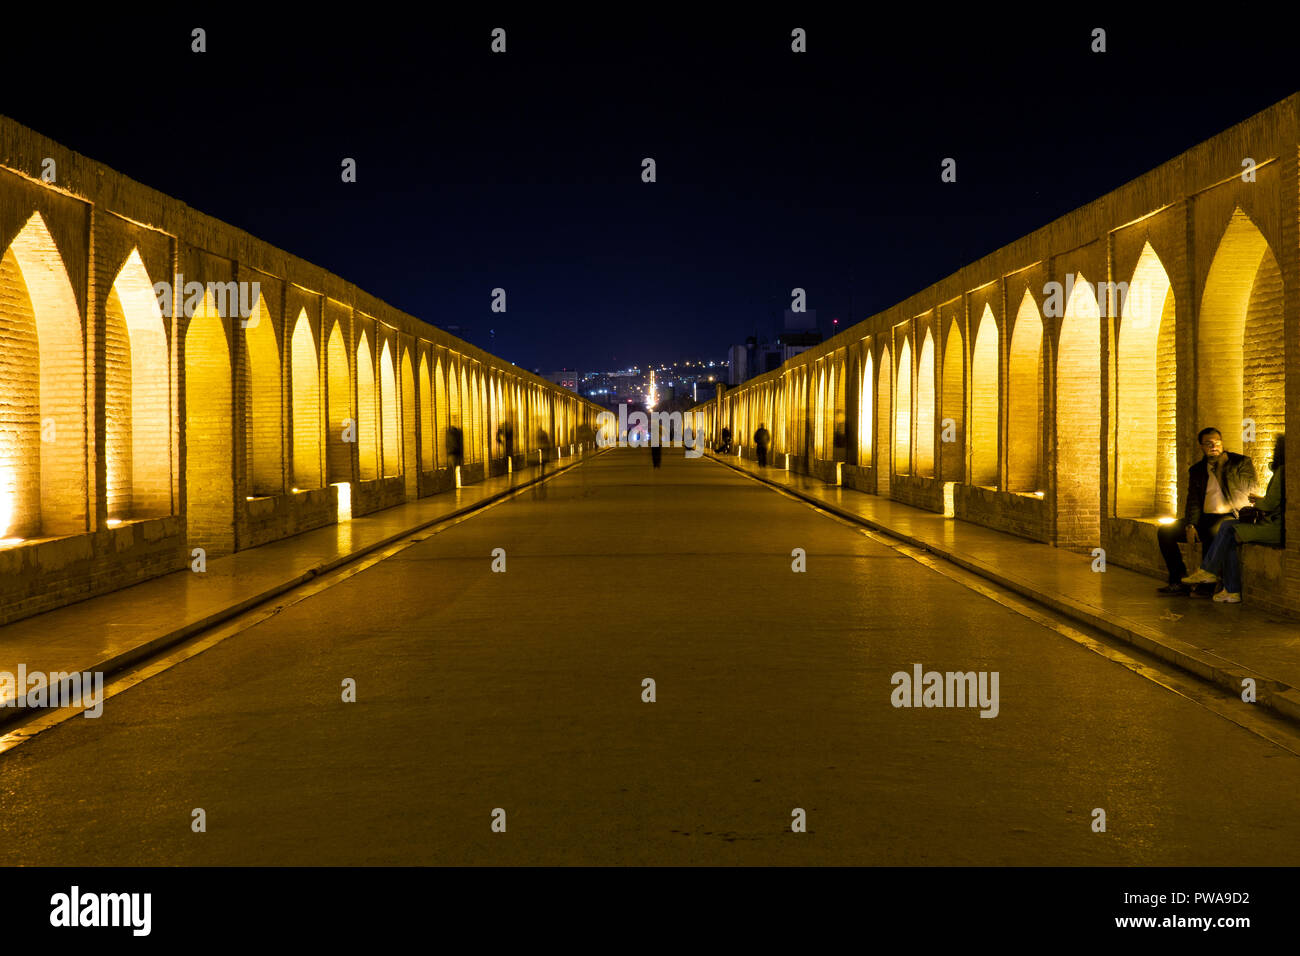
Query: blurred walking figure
761	440
455	446
656	446
544	444
506	438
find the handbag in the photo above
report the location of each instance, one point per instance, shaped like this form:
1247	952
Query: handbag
1252	515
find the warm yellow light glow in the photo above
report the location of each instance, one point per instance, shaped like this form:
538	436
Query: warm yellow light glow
6	542
984	402
903	411
1166	520
1024	407
949	505
305	395
114	522
345	500
6	500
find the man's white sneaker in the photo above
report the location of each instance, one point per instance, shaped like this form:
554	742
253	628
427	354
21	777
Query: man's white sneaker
1228	597
1200	576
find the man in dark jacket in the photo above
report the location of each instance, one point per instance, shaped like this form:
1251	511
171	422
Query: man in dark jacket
761	439
1217	487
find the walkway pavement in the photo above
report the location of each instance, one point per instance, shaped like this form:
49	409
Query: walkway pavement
1223	644
115	630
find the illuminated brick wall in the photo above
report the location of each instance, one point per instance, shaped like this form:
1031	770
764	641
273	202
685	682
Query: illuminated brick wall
1075	424
134	428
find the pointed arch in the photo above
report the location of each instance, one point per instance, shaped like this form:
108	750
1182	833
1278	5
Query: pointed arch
884	419
260	355
984	402
465	411
903	411
1078	421
1239	326
426	414
389	420
305	381
441	404
42	376
819	423
952	454
410	463
342	430
865	408
925	405
839	440
209	433
367	412
137	398
1024	402
1145	394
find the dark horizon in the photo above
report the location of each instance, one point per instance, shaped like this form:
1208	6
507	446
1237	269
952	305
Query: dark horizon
775	170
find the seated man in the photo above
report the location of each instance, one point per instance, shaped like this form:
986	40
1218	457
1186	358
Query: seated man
1223	557
1218	486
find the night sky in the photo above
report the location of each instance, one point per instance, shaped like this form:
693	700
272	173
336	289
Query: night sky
523	170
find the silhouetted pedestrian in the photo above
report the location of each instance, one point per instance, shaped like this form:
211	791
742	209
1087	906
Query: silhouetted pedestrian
455	446
506	438
761	439
544	444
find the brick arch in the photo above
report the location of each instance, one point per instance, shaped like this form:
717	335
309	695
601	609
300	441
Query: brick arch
209	433
925	408
884	419
410	463
952	455
441	404
137	398
1239	326
426	414
471	399
389	420
1146	449
456	376
367	412
903	410
839	440
42	375
984	402
260	358
338	380
866	409
304	371
1078	420
1024	400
